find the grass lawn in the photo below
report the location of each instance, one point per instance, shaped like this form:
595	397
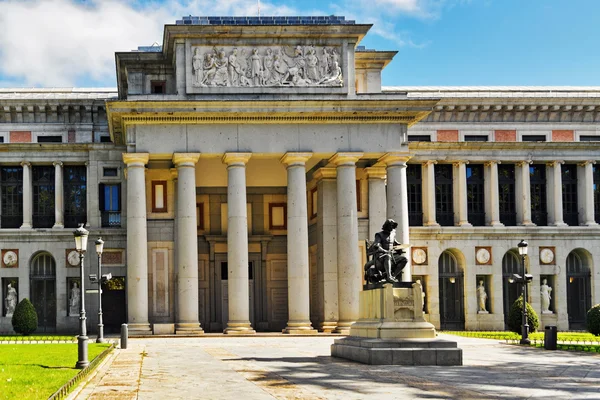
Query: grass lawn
35	371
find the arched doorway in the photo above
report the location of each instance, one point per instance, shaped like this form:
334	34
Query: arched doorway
579	296
451	276
510	291
42	276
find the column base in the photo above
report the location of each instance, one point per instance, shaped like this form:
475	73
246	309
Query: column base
465	224
343	327
188	328
433	224
527	223
327	326
299	328
589	223
558	224
58	226
26	226
496	223
239	328
139	329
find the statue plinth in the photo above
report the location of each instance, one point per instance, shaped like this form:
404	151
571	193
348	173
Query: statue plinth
392	330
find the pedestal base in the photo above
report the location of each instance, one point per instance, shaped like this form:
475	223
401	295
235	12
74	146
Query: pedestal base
139	330
190	329
239	328
398	351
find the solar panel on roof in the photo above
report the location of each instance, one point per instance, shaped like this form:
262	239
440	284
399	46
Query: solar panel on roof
266	20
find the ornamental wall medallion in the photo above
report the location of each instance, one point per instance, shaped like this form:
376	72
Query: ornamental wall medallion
547	255
10	258
419	255
72	257
483	255
266	66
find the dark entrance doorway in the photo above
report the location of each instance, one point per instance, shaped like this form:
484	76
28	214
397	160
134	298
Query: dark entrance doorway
43	291
451	277
510	291
114	308
579	299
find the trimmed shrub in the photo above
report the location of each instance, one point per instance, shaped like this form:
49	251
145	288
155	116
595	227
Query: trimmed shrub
593	320
515	317
25	320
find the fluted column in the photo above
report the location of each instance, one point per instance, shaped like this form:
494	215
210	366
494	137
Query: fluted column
297	245
377	199
59	202
186	245
493	194
137	243
397	201
349	268
555	202
586	196
523	192
237	244
460	178
429	193
27	196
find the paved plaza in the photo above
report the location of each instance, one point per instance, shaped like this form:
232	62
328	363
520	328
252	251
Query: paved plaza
283	367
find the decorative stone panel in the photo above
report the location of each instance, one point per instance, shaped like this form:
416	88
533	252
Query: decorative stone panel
20	136
505	136
447	136
563	136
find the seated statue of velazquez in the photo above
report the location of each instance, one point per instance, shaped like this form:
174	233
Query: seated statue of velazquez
388	256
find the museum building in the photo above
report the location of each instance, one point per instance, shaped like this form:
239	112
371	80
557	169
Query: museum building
238	169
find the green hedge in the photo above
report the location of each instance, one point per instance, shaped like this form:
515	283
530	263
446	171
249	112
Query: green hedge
24	319
515	317
593	320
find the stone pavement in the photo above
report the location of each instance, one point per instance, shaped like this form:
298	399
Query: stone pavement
283	367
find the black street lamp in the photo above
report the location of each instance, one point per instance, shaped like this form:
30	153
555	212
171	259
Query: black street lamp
81	238
99	248
525	328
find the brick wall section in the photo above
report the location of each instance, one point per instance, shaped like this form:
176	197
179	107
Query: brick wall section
20	136
447	136
563	136
72	137
505	136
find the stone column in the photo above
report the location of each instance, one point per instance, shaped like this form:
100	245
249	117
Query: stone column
586	194
27	196
59	202
492	194
186	246
429	194
137	244
377	199
297	245
397	201
523	194
460	193
237	244
555	203
327	276
349	268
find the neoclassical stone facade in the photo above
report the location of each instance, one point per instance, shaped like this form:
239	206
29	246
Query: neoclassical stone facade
235	176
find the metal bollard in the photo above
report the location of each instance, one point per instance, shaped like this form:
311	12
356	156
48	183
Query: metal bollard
124	334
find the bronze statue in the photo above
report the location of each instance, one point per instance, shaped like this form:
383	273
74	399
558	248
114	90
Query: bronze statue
388	256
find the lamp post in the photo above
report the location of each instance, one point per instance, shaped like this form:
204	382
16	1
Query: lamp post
81	238
525	326
99	248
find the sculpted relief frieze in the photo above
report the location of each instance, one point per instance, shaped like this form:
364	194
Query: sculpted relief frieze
265	66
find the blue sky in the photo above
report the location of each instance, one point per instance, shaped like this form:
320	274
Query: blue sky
58	43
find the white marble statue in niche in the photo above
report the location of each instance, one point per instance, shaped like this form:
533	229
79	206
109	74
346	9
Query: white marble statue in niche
266	67
10	302
481	298
546	291
74	300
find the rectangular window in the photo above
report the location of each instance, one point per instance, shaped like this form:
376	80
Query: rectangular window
43	196
533	138
158	87
11	188
444	197
110	204
200	216
314	203
110	172
1	139
476	138
589	138
506	194
475	194
49	139
537	180
358	196
75	195
105	139
419	138
569	194
415	194
277	216
596	173
159	196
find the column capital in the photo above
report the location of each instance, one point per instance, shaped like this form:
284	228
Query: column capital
587	162
458	163
490	163
339	159
136	158
181	159
524	163
390	159
554	163
59	163
25	164
325	173
236	158
295	158
376	173
430	162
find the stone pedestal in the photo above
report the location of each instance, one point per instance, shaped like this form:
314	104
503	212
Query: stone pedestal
392	330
